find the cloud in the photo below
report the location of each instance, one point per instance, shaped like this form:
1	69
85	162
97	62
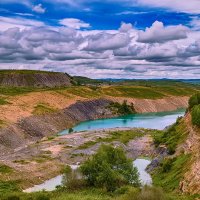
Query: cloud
105	53
195	23
74	23
157	33
6	23
106	41
39	9
192	6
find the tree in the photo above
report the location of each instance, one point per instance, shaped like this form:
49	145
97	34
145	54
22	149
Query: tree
72	179
194	100
196	115
109	168
71	130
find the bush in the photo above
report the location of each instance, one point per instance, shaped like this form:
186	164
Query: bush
194	100
72	179
167	164
13	197
42	197
196	115
122	109
110	169
146	193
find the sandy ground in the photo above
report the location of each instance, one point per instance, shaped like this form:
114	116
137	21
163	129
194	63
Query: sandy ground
22	106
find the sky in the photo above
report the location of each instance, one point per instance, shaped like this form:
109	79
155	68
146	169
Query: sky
137	39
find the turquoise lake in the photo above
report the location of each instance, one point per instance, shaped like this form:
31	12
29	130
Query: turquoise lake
147	120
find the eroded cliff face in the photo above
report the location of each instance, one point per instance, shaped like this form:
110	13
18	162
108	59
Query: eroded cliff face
33	128
35	80
157	105
191	180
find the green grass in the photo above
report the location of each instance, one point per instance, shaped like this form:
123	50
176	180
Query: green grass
4	169
133	92
8	187
128	193
42	109
174	136
170	180
121	136
82	91
3	101
137	89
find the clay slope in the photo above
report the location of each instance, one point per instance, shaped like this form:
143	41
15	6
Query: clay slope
36	79
156	105
33	128
191	180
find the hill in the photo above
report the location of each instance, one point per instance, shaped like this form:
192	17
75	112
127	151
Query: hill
35	79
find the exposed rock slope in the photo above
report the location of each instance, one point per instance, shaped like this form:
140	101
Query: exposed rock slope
191	180
26	78
156	105
36	127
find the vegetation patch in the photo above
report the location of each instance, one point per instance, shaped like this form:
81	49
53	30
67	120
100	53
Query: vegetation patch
172	137
122	109
8	187
109	168
4	169
121	136
133	92
42	109
171	172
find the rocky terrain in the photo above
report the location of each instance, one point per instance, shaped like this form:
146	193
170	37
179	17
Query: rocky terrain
36	127
156	105
55	152
191	180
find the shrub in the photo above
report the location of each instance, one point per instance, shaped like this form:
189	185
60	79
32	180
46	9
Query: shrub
194	100
122	109
146	193
110	169
196	115
42	197
167	164
72	179
13	197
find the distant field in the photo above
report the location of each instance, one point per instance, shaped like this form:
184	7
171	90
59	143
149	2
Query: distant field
154	91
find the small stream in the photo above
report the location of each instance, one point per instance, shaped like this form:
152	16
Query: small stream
141	165
51	184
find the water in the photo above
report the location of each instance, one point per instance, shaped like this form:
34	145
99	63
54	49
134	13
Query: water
146	120
141	165
48	185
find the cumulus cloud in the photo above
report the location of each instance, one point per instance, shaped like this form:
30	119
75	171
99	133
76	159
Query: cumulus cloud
74	23
22	23
106	41
192	6
39	9
126	52
157	33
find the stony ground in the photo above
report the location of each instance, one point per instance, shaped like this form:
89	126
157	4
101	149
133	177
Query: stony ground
45	159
